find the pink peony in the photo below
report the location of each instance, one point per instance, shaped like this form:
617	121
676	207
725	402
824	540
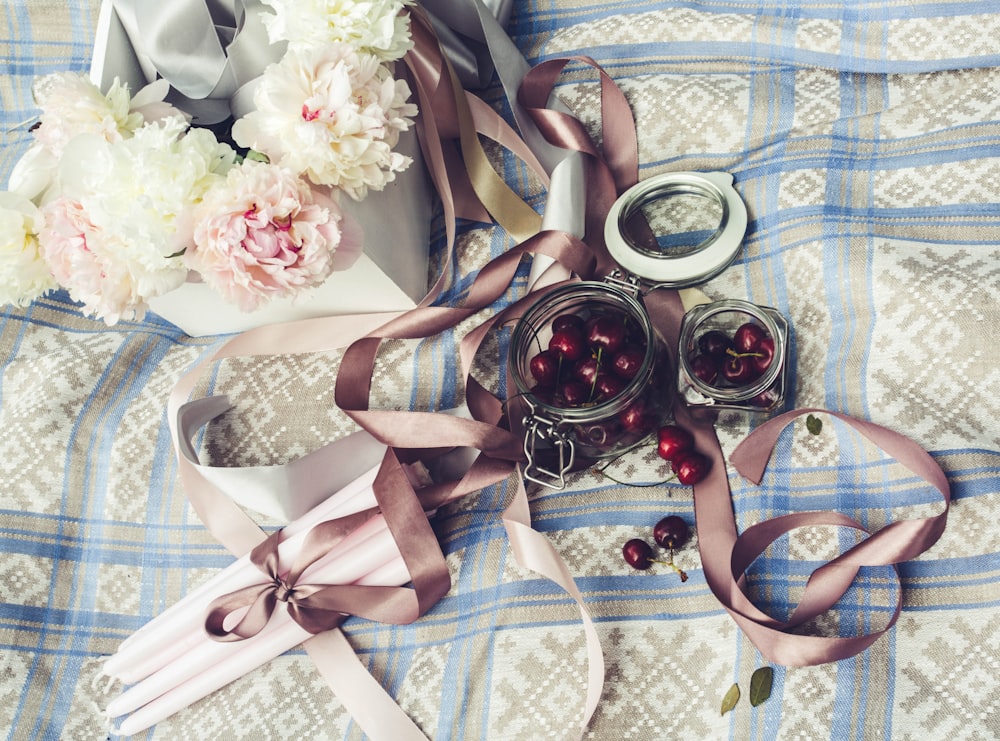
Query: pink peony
264	233
69	244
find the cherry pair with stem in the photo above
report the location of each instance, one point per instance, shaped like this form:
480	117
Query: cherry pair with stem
671	533
676	446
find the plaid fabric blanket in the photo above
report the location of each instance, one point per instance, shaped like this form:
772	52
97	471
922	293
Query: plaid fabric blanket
865	141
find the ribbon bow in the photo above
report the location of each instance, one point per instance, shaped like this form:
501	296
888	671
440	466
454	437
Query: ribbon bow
320	607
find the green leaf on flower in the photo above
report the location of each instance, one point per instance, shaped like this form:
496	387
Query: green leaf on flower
256	156
814	424
732	697
760	685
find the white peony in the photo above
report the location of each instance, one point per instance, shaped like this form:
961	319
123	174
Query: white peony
333	114
73	105
24	274
114	235
376	27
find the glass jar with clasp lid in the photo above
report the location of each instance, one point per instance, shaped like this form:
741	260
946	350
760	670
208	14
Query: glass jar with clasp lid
733	355
594	374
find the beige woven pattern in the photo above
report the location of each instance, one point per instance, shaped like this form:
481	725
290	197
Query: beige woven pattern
874	221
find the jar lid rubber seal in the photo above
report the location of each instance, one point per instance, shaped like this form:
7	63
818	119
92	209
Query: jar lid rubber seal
704	261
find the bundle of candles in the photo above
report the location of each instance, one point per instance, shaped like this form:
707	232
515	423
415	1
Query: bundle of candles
173	661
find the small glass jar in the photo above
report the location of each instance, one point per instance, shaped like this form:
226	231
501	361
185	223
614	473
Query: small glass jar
560	436
748	374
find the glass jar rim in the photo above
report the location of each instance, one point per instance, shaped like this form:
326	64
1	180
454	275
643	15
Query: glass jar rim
709	258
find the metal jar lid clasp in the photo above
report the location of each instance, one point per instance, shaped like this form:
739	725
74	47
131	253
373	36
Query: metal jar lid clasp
538	429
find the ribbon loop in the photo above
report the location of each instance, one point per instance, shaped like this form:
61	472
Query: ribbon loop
726	556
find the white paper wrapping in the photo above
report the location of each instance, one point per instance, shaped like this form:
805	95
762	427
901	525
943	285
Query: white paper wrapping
391	275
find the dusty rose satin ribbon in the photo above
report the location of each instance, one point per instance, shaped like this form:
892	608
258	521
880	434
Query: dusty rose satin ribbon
365	699
897	542
610	169
319	607
726	555
257	602
227	521
462	117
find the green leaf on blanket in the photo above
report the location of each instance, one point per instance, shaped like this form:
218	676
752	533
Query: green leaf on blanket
814	424
732	697
760	685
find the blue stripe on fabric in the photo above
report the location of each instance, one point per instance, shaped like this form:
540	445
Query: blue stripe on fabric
538	18
982	568
59	552
772	56
55	703
114	552
451	712
468	624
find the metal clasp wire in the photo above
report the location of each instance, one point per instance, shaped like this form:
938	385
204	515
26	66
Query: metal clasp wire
540	429
625	282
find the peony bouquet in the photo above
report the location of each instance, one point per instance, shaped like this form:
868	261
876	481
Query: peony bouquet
119	199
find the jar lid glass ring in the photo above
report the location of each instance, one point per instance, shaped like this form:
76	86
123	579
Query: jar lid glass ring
675	269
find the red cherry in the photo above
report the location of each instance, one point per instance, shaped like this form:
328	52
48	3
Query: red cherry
748	336
705	368
691	467
572	322
638	554
671	532
586	371
574	393
545	367
763	356
606	332
608	385
672	441
714	343
737	370
569	344
627	362
636	418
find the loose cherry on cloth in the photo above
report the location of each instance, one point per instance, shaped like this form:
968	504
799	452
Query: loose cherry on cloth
726	556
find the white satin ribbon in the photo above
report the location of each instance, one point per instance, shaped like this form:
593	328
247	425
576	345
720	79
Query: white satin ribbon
282	492
208	50
212	51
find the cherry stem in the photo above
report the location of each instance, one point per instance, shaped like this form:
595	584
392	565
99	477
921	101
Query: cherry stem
607	475
671	564
732	352
593	384
675	567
